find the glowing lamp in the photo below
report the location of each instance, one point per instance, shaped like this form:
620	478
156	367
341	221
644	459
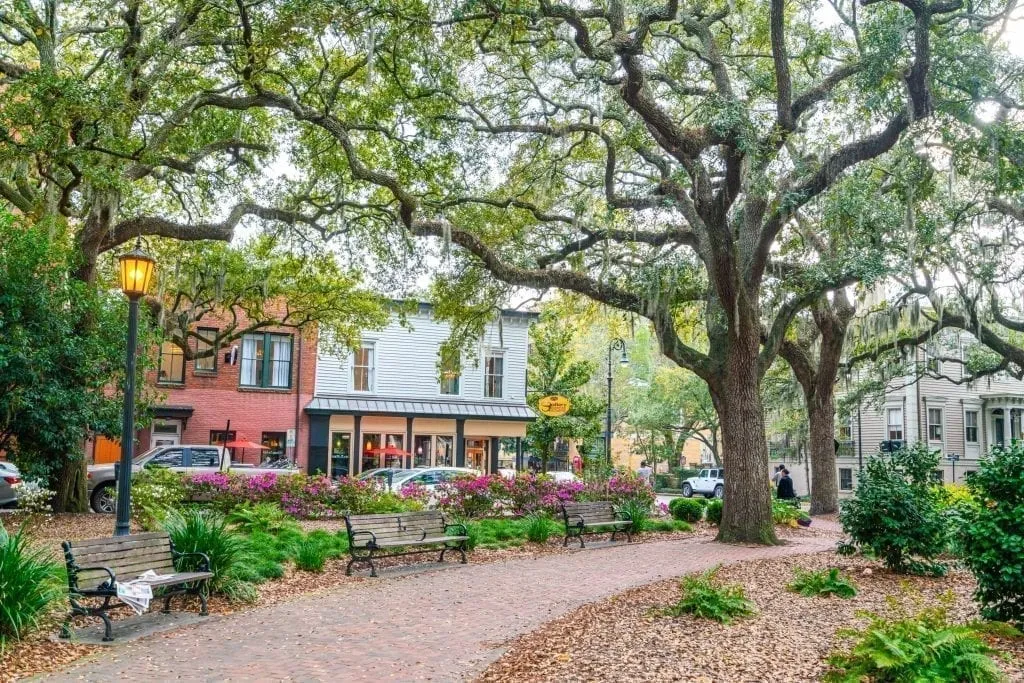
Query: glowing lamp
137	271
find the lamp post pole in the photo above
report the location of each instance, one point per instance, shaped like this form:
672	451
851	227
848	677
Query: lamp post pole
136	273
617	344
124	475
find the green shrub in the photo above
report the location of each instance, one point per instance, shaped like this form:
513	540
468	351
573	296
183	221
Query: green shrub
895	512
29	582
784	512
922	647
311	557
994	538
156	491
687	509
703	599
539	528
714	512
822	583
267	517
639	511
206	531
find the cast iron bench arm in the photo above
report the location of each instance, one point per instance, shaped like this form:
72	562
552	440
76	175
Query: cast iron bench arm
109	584
204	565
373	536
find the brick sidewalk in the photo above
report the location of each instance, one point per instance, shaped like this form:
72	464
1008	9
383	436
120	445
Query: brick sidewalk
443	625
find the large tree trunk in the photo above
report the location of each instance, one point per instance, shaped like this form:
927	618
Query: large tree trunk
824	487
747	511
72	495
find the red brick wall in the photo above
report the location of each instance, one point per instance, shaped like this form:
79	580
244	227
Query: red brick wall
217	397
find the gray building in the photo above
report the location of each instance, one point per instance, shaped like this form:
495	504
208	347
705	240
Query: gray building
960	419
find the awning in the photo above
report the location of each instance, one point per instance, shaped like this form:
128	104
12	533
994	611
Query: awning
172	411
323	405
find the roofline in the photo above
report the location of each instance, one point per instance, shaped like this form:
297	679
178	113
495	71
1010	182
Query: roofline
425	306
430	416
309	410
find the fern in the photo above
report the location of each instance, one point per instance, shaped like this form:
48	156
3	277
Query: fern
924	647
822	583
703	599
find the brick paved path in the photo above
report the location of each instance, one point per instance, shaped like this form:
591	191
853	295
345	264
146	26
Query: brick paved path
443	625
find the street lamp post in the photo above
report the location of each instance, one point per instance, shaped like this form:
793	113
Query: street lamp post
136	274
617	344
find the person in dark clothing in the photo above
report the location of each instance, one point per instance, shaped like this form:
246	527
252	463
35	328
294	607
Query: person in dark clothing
785	490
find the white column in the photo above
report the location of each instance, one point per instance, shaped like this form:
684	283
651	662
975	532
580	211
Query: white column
1006	426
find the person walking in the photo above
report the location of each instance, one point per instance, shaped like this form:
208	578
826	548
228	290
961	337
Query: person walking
777	474
785	490
645	473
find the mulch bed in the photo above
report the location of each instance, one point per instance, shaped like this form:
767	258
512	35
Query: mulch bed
37	653
623	638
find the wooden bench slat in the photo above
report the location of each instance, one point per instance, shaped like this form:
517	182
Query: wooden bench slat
114	540
96	549
86	559
183	578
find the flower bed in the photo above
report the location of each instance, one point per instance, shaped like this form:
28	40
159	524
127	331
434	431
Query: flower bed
529	493
318	497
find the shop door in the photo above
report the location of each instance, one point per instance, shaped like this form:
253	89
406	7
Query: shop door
165	433
476	454
341	455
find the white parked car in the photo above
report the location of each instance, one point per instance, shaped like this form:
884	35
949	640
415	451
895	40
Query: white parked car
709	483
429	477
557	476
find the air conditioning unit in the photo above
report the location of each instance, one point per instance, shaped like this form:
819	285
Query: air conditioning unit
891	445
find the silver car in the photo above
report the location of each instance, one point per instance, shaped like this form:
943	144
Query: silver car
9	476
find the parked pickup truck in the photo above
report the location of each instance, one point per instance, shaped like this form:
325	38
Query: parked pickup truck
180	458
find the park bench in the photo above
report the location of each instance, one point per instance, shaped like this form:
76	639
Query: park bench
95	566
594	517
402	533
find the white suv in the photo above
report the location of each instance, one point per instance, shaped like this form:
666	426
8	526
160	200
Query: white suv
710	483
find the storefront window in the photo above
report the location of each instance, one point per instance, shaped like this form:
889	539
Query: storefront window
422	451
394	451
445	452
476	454
217	436
371	450
274	442
341	454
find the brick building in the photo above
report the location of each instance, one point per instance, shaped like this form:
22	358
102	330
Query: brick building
259	382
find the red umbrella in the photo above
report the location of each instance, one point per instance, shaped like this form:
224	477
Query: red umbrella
387	450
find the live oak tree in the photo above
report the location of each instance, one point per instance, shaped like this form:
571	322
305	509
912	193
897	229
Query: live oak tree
118	120
53	382
256	284
648	156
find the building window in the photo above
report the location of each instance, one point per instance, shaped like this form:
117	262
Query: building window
935	424
494	373
846	430
266	361
450	383
172	364
363	368
845	479
895	424
275	445
218	437
938	476
206	352
971	426
932	363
